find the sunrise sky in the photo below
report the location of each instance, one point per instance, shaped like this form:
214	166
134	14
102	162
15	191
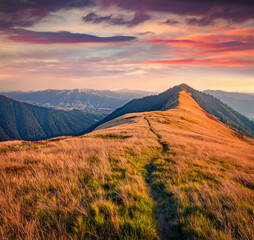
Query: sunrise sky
115	44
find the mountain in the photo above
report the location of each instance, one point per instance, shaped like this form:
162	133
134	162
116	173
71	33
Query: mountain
241	102
175	174
135	92
24	121
88	100
169	99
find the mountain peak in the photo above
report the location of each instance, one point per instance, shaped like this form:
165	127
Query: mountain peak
171	99
183	85
176	89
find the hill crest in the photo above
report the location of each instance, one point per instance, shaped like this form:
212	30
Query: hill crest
186	110
170	99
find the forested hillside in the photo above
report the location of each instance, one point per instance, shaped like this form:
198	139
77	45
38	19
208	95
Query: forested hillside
25	121
241	102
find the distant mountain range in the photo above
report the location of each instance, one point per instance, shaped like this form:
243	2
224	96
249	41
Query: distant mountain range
19	120
241	102
100	102
169	99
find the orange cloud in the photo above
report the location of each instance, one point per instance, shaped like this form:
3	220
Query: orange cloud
239	40
220	28
241	32
207	61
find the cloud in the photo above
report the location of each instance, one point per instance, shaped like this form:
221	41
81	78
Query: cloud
197	12
201	47
170	22
231	13
147	33
200	44
94	18
24	13
206	61
22	35
233	48
241	32
138	18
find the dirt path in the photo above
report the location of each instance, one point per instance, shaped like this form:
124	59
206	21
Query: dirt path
164	145
165	203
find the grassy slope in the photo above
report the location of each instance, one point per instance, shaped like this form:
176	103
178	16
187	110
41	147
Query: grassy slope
169	100
178	174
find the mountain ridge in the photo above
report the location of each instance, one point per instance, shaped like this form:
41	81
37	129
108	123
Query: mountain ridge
241	102
168	99
101	102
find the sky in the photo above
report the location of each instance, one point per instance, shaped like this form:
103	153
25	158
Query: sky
126	44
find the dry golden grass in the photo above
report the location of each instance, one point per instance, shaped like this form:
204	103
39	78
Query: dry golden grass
208	169
179	174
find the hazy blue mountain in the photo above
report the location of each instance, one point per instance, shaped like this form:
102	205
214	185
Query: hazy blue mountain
88	100
169	99
19	120
241	102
